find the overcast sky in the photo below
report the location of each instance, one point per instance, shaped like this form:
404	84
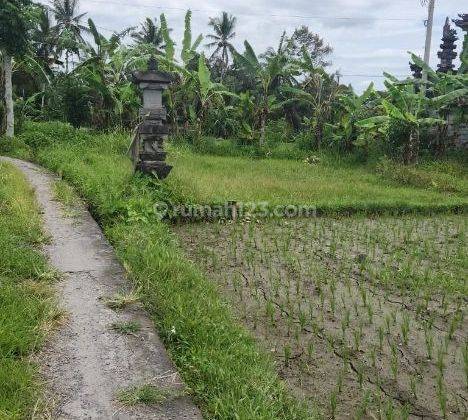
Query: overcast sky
375	39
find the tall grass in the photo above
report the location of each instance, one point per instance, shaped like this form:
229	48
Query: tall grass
230	377
26	306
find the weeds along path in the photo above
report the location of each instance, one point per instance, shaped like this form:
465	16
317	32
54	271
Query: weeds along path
102	360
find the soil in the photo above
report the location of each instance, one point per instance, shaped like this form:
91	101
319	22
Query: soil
86	363
330	300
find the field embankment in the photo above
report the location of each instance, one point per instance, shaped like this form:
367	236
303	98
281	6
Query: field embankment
217	358
228	370
27	308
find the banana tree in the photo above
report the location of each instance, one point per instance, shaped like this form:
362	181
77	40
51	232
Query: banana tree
270	75
105	71
180	92
206	93
406	108
354	109
449	94
319	93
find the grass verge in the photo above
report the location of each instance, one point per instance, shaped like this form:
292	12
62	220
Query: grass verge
220	362
27	309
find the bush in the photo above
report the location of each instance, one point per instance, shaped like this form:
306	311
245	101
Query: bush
15	147
36	139
429	176
278	132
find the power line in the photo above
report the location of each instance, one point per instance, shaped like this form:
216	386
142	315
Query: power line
345	18
372	75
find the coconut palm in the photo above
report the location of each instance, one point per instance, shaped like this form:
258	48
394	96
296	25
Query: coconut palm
150	33
68	26
44	39
223	27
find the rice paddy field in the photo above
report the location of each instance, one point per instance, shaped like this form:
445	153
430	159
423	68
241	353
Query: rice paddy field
330	186
365	318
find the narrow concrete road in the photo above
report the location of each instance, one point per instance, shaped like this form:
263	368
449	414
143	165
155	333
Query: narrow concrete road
86	363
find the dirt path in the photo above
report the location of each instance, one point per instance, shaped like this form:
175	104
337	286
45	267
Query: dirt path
87	364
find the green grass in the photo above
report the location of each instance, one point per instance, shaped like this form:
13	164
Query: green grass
213	179
146	394
126	328
26	306
230	377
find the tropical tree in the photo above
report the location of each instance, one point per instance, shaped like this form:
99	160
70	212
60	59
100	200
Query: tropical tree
224	32
320	93
68	27
15	20
406	108
150	33
180	93
106	72
44	39
449	92
302	40
270	75
354	107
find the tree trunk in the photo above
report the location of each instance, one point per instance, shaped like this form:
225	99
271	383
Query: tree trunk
318	135
10	118
262	128
411	151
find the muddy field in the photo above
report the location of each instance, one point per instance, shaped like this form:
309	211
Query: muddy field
365	318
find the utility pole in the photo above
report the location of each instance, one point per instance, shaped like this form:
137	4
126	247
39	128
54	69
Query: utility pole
429	23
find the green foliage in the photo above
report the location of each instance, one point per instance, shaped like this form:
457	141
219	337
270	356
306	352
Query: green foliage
194	322
439	178
256	91
25	300
15	22
169	43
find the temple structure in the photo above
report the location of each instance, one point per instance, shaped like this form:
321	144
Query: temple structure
146	149
447	53
416	70
462	23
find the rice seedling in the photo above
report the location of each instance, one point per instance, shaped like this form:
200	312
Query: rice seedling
465	361
442	394
317	296
333	404
429	340
405	328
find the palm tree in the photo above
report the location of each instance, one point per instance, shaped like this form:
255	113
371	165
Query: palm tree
150	33
223	27
68	27
44	39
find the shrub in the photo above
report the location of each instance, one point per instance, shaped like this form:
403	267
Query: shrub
420	176
15	147
278	131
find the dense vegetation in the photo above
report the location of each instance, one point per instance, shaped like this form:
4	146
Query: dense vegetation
284	96
26	306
